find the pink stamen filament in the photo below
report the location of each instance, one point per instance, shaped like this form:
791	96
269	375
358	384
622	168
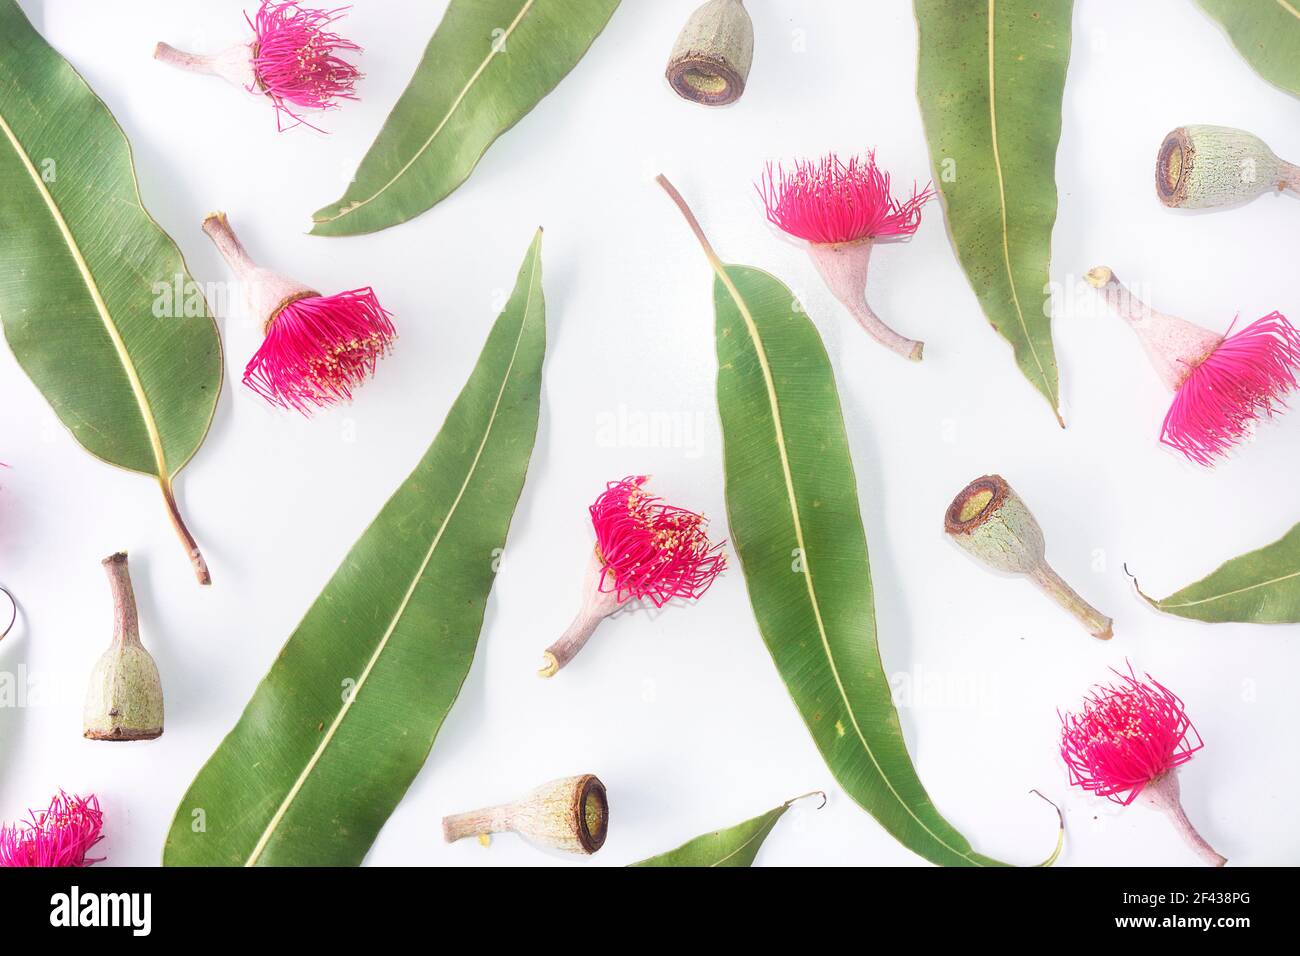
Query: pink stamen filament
1242	380
296	59
652	550
830	201
1127	735
319	348
61	835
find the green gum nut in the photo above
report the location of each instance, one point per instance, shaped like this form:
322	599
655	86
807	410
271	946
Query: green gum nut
124	700
990	521
1200	167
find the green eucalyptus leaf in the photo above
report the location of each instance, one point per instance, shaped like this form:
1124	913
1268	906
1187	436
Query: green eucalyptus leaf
341	724
734	846
1266	33
95	298
488	64
1261	587
990	78
795	524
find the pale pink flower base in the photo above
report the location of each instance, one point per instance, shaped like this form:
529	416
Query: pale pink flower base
1165	795
842	209
598	603
1222	384
843	267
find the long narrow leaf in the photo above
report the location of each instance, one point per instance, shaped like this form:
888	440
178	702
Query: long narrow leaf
1266	33
792	508
95	299
338	729
1260	587
734	846
990	77
488	64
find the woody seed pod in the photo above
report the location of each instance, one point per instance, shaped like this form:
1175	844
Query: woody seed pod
570	814
990	521
713	53
124	700
1199	167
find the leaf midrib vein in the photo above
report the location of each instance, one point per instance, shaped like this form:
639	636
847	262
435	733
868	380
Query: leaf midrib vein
496	46
770	385
101	307
1002	203
1227	594
760	833
1289	8
330	733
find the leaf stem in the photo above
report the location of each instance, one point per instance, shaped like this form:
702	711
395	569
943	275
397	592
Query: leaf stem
187	539
805	796
13	618
1060	833
691	221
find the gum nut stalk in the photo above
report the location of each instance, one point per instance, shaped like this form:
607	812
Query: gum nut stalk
1201	167
989	520
124	700
569	814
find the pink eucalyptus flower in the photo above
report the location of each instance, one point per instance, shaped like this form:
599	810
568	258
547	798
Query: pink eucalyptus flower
293	59
1126	745
645	550
59	836
296	58
317	348
841	209
652	550
1222	384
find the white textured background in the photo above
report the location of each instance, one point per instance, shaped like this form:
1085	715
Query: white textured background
682	714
